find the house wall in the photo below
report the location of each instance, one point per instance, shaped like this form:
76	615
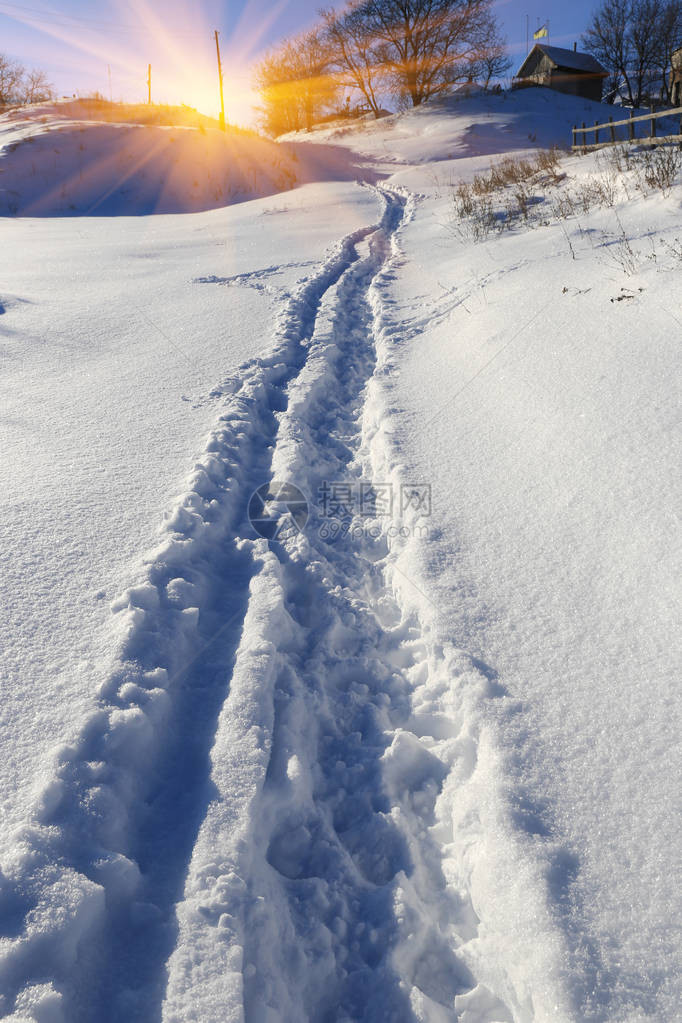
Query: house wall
573	83
586	86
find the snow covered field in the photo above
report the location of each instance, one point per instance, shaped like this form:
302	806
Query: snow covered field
417	757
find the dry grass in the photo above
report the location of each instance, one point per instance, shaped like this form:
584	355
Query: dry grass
533	191
96	108
513	182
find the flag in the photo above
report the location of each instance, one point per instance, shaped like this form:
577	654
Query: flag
541	32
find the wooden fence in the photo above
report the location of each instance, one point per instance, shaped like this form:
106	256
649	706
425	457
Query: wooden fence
608	128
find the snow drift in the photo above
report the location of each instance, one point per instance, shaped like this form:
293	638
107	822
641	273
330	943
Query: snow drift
60	160
422	767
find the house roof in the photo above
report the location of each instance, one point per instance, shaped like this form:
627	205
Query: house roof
570	60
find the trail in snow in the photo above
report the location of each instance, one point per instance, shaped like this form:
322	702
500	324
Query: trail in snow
283	724
317	888
91	889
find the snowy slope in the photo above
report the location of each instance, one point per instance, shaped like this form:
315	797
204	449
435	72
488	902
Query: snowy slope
455	128
539	393
58	159
415	760
116	337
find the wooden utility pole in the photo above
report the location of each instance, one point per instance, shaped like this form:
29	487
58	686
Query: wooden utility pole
149	84
220	80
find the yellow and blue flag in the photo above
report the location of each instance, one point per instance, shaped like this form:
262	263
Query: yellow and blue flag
541	33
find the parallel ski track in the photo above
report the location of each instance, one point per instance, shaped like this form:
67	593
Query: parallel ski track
316	887
317	891
92	890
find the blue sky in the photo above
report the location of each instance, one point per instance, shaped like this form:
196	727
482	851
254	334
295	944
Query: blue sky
78	42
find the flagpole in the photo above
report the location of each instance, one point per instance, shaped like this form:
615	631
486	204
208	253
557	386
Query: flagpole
527	37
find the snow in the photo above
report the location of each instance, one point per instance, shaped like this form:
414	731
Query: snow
552	447
416	764
64	162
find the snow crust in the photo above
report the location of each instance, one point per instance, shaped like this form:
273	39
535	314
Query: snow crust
424	768
57	160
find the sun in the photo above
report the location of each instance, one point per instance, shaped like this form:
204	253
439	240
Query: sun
115	46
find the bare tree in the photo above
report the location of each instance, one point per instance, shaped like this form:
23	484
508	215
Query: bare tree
11	76
19	86
608	38
275	81
295	83
645	23
426	46
35	87
414	49
492	59
318	86
670	40
354	52
635	40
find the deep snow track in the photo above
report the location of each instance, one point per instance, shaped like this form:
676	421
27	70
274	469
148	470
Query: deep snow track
316	889
278	722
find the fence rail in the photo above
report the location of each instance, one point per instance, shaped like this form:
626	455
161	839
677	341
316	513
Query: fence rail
609	127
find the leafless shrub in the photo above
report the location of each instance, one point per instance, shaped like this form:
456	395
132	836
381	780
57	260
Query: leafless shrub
480	220
563	205
661	167
522	198
653	170
513	179
620	253
619	158
464	200
548	160
673	248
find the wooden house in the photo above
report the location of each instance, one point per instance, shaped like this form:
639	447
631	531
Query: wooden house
579	74
676	79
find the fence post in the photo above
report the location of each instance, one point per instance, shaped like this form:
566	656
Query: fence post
613	130
575	129
653	124
584	138
631	129
596	133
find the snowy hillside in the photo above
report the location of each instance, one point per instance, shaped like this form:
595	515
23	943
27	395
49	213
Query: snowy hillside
65	158
341	563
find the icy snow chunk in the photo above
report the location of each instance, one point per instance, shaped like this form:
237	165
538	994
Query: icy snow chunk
130	730
40	1003
294	768
185	521
145	596
181	592
157	678
409	766
119	875
190	616
68	909
481	1006
49	799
